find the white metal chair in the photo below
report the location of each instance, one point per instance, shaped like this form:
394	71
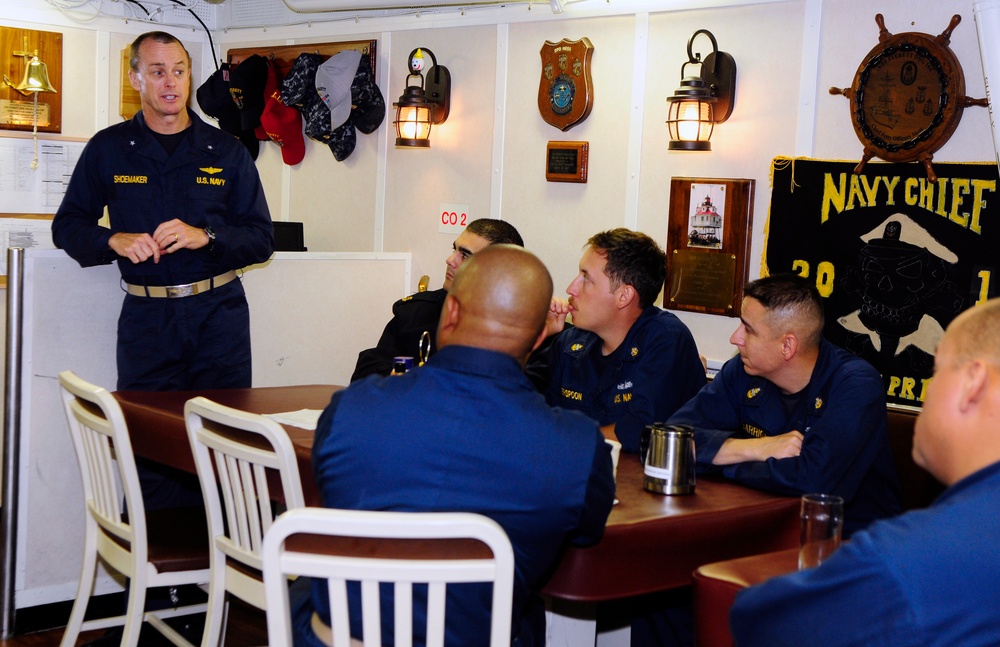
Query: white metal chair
234	451
303	543
163	548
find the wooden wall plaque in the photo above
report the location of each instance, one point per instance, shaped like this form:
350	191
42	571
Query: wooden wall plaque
708	235
908	96
567	161
566	87
129	103
16	109
284	56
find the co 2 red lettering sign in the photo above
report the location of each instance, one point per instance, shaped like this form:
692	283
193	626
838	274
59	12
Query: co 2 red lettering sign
453	218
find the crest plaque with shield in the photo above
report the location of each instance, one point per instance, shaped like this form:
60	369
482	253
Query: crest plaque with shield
566	91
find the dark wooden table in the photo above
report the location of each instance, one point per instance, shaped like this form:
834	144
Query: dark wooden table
156	422
652	542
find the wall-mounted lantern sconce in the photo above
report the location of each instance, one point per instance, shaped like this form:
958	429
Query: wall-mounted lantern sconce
701	101
36	79
422	105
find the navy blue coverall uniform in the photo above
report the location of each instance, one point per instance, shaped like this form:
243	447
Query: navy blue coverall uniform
199	341
646	379
841	415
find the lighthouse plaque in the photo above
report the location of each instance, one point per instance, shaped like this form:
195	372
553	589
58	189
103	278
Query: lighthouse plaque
707	237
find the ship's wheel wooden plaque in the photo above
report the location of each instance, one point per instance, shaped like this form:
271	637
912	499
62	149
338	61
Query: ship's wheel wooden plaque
907	96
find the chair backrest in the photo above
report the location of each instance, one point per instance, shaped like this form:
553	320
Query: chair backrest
107	465
302	543
234	450
919	488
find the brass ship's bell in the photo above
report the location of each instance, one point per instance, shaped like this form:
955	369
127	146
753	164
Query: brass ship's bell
36	78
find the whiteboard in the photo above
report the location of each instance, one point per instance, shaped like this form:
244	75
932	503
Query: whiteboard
310	315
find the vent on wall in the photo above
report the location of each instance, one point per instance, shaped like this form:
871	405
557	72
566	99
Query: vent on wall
249	13
190	12
317	6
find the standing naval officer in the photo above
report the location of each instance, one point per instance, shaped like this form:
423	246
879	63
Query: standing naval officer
186	209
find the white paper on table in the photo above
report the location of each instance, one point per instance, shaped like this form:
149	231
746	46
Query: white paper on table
303	418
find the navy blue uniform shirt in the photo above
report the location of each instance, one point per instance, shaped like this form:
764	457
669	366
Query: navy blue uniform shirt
646	379
209	181
411	317
841	414
466	432
927	578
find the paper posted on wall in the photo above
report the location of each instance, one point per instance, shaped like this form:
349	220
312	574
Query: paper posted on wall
26	233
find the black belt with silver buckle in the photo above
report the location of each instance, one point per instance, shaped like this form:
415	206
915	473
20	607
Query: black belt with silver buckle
178	291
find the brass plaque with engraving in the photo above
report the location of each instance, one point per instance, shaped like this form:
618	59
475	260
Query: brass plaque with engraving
23	113
702	280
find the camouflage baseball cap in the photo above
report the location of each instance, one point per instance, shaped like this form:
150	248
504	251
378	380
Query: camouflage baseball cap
299	87
368	110
343	139
299	90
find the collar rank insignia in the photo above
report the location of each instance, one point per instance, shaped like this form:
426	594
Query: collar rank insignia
575	347
819	403
211	170
635	351
752	393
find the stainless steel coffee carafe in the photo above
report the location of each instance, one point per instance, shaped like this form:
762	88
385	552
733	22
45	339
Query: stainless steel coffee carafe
668	458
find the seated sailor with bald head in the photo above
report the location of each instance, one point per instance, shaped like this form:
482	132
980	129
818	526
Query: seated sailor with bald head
468	432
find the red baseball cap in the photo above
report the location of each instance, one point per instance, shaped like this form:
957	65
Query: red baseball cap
282	123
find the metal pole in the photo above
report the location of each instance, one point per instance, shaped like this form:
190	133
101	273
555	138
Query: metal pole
11	435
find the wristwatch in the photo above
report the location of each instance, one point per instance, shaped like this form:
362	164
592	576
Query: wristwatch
211	239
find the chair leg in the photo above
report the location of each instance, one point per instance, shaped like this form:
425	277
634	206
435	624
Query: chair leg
83	593
135	612
215	617
225	622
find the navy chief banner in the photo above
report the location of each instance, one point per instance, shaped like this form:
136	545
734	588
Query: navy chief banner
895	256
